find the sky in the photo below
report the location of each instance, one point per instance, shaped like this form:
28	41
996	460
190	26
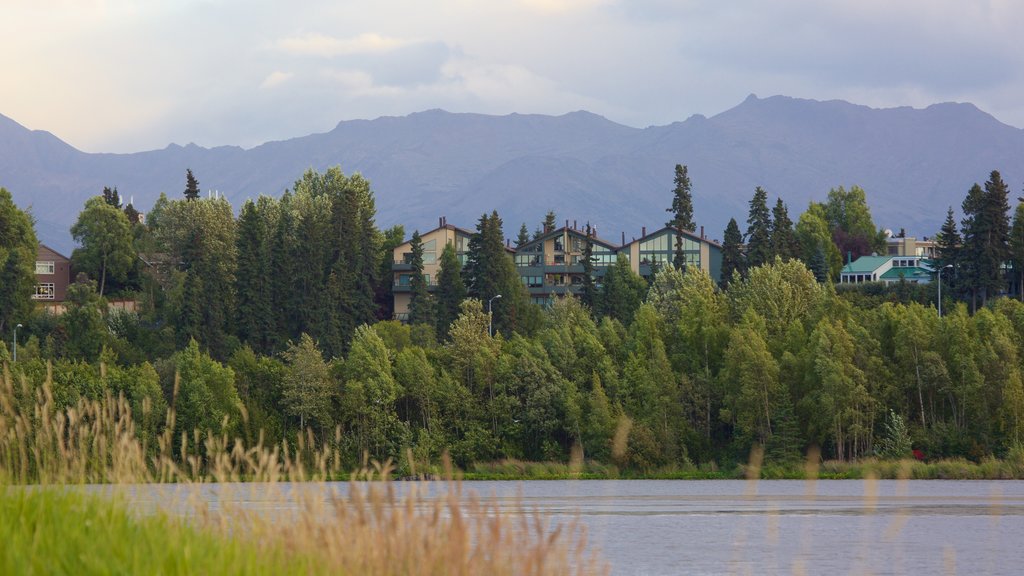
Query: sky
131	75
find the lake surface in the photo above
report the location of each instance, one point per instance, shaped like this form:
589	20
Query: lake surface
739	527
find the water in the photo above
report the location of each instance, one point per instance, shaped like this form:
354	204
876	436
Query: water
736	527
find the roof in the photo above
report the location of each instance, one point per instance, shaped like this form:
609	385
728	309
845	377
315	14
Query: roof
912	273
866	264
562	230
54	252
689	233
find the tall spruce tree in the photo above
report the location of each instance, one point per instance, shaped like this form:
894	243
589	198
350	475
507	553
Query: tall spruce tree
549	224
588	290
682	201
450	290
986	231
421	306
784	242
759	230
1017	248
948	245
111	197
524	236
733	259
254	322
191	185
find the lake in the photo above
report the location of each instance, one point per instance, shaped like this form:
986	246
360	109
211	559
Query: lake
739	527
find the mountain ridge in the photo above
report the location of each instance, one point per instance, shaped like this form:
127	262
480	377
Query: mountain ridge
913	163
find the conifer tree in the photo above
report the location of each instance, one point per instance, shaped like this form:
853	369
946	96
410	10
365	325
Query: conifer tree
733	259
682	202
191	185
622	291
986	231
759	230
783	241
450	290
1017	247
588	290
524	236
948	245
421	306
549	222
254	280
111	197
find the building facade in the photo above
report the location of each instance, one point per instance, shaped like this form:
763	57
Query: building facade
654	251
434	242
551	265
53	275
888	269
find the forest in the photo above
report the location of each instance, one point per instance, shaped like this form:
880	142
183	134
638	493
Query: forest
275	324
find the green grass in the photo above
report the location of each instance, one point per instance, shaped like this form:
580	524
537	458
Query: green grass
52	530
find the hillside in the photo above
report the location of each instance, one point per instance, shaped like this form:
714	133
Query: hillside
913	163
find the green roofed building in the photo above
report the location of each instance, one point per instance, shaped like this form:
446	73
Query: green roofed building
913	269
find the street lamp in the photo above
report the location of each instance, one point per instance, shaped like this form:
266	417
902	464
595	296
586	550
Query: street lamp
16	341
940	287
490	315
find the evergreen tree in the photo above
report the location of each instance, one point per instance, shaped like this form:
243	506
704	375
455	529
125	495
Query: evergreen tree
549	224
783	237
421	305
759	230
490	271
450	290
986	231
393	238
948	242
111	197
682	202
133	215
254	281
524	236
588	290
819	266
622	291
1017	247
733	259
191	186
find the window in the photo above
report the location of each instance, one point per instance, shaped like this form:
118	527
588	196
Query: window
533	281
44	267
44	292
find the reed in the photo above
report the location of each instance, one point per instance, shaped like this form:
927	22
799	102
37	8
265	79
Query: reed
374	526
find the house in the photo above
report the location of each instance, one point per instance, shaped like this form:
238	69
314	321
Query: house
910	246
888	269
552	264
656	250
53	275
434	242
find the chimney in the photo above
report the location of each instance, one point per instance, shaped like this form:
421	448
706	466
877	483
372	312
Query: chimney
573	224
702	232
440	221
623	238
566	222
643	231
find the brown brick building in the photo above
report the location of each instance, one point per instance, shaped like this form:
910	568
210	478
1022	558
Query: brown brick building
53	274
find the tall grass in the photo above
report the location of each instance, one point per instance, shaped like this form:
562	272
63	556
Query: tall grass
373	527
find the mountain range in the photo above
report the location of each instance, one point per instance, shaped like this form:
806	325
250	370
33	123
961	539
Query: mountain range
913	164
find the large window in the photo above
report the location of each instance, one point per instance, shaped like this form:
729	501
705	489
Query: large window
44	267
44	292
430	252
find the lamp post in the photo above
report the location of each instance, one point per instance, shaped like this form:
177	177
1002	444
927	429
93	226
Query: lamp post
16	326
940	287
490	315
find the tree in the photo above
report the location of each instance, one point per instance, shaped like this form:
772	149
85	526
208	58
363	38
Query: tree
784	242
106	238
307	387
490	271
206	396
850	223
191	186
83	322
421	305
18	247
750	375
450	290
549	224
254	280
759	230
986	231
813	232
588	290
111	197
622	291
733	259
682	202
524	236
393	238
1017	247
948	245
369	394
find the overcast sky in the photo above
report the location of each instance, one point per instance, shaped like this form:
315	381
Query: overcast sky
128	75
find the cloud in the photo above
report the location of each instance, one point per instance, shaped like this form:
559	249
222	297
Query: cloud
314	44
275	79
